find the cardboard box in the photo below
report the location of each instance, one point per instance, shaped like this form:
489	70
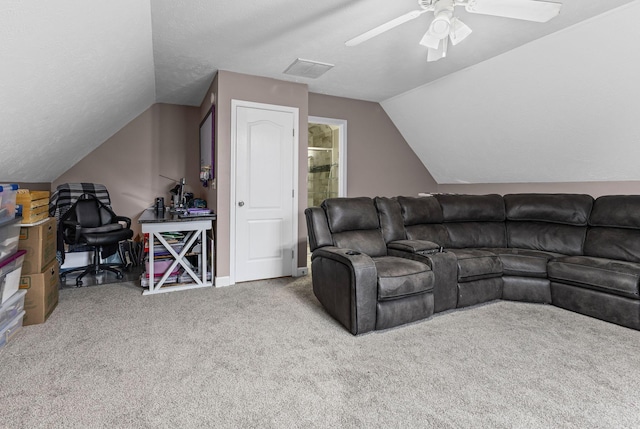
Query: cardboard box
42	294
40	243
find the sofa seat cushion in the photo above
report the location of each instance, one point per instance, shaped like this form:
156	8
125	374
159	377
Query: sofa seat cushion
525	262
398	277
607	275
476	264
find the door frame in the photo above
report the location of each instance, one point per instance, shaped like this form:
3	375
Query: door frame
342	148
232	197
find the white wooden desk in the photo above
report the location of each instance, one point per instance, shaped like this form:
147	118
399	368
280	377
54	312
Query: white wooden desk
195	230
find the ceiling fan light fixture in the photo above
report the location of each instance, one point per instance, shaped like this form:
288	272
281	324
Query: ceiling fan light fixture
438	53
459	31
443	14
441	25
429	41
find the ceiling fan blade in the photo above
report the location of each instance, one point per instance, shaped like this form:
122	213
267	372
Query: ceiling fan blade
528	10
385	27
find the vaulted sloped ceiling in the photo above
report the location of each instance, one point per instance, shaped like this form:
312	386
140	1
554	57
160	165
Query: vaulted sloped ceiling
74	72
563	108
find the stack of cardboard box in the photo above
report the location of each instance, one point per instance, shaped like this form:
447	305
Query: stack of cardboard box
40	270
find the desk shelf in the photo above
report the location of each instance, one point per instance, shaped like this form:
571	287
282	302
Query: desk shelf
195	246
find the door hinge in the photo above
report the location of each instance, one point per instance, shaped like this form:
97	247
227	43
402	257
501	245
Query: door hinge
293	252
293	132
293	193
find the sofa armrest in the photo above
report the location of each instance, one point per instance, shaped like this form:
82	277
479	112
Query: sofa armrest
346	283
445	271
423	247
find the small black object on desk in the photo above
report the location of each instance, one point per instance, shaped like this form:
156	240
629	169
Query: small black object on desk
159	207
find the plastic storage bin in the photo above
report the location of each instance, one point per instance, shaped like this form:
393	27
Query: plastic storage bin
10	271
8	201
10	309
9	237
8	332
161	267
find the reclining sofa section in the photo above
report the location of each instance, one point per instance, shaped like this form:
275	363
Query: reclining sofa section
379	263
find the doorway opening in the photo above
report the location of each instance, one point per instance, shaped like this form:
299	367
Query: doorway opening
326	162
326	159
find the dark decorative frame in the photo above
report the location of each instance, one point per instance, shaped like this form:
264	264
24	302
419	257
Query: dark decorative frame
204	145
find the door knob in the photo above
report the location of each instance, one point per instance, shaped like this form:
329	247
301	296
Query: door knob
241	203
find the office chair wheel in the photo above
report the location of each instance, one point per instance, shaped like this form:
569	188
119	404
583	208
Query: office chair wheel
119	275
78	283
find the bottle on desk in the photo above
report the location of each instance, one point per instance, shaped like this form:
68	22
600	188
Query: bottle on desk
159	207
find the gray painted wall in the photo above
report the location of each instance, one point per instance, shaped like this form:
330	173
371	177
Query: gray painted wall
163	140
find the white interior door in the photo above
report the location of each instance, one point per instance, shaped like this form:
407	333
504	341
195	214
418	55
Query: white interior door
264	193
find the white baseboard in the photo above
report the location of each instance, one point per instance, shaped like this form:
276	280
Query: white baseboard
223	281
226	281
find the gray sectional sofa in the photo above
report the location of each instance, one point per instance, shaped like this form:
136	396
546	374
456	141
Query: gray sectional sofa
383	262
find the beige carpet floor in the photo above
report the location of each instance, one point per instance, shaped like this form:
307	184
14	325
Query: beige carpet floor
266	355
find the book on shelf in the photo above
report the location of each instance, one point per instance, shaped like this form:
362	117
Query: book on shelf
175	239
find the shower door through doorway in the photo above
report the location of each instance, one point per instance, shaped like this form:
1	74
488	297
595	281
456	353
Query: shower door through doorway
326	159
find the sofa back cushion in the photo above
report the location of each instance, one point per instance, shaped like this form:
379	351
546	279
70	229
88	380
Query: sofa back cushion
354	224
420	210
546	236
436	233
613	243
317	228
471	208
615	228
473	221
616	211
422	217
567	209
390	218
476	234
549	222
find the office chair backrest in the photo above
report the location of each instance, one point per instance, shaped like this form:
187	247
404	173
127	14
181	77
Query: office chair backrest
67	194
89	212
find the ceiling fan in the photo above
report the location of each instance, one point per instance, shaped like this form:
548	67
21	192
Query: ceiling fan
446	26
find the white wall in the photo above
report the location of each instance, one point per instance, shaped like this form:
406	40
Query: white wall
72	73
564	108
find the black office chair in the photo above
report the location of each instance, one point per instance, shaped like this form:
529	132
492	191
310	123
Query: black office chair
90	222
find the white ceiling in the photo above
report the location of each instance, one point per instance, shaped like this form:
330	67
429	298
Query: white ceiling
194	38
74	72
559	109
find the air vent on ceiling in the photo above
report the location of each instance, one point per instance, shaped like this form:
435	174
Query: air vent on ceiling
308	68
